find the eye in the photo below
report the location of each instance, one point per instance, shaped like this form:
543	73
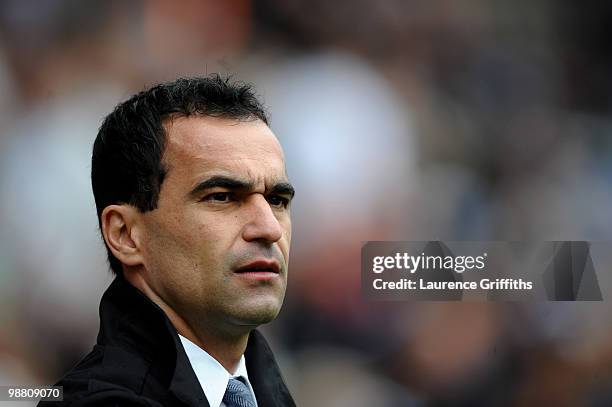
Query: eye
218	197
278	201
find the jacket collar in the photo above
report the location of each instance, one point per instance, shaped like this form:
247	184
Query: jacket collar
130	320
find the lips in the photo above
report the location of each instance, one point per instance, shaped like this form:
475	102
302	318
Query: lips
260	266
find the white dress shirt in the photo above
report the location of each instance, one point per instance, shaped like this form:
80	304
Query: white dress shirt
211	374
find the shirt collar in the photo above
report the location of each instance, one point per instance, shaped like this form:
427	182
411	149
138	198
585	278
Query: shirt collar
211	374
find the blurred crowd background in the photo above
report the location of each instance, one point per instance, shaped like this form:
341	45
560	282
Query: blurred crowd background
401	120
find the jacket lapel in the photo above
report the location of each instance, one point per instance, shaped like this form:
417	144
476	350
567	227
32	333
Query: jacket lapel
264	374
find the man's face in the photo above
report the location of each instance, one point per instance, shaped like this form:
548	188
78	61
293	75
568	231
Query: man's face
217	246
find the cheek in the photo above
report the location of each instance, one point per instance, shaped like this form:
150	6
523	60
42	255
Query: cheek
172	241
164	250
211	237
288	230
285	243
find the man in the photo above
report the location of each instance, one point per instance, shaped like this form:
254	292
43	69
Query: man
193	202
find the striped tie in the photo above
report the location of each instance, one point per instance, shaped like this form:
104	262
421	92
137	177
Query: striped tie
238	394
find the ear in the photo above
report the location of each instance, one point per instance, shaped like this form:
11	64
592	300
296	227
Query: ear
121	229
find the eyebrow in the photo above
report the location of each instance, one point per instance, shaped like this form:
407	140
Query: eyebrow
233	184
283	188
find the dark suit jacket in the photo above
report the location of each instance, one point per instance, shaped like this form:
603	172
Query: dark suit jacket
139	360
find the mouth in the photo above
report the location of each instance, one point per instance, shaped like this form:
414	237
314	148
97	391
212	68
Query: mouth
270	267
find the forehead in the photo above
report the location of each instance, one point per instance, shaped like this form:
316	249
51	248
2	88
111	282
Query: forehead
197	146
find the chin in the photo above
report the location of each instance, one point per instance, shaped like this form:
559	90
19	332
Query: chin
259	313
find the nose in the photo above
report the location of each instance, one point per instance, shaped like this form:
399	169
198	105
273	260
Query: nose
262	225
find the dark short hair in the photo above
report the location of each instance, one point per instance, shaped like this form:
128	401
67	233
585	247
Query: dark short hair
126	165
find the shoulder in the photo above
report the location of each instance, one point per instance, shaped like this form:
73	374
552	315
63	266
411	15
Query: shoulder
109	398
109	376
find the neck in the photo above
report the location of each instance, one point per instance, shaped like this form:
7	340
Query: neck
227	349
